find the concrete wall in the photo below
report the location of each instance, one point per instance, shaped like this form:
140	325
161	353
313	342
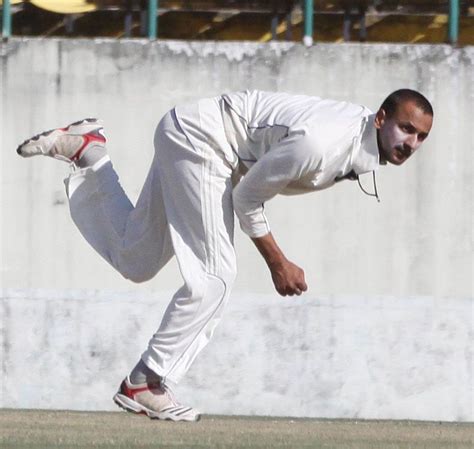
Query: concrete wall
410	255
318	356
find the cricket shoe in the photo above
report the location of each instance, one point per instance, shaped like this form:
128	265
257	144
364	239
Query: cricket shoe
67	144
154	400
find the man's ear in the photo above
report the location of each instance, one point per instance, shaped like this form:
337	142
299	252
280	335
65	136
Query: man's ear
380	118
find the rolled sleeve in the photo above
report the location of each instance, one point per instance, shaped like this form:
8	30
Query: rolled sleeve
290	160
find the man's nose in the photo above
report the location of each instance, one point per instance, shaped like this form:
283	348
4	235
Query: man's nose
412	142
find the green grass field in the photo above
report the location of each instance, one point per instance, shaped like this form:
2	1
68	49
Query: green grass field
65	429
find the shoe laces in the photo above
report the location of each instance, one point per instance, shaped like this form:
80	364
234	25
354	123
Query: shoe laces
169	392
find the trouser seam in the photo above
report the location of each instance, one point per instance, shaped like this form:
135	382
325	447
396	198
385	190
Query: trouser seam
198	333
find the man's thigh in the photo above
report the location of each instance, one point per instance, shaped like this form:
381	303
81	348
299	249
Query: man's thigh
197	192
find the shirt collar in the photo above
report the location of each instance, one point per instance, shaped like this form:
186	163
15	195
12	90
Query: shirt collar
366	156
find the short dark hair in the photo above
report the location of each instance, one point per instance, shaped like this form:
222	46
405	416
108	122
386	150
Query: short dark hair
392	102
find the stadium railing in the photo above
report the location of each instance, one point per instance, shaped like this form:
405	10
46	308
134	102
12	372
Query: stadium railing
295	13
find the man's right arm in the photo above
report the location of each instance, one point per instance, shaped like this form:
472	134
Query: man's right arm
287	277
291	159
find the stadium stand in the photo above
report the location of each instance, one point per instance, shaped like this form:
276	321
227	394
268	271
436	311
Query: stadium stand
414	21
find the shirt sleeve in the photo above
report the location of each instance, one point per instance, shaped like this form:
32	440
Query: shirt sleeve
293	158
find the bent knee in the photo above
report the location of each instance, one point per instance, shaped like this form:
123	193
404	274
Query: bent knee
228	276
139	277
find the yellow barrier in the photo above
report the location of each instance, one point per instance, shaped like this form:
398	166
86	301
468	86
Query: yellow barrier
65	6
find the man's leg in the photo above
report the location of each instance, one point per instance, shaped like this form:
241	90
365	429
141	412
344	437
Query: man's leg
134	240
197	193
191	186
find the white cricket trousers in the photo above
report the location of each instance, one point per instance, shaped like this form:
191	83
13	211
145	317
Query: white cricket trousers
184	209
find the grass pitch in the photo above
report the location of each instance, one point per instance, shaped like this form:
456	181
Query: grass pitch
40	429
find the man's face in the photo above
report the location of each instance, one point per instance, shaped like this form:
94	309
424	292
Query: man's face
400	135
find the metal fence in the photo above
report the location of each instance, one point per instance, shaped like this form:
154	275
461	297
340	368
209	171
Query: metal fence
152	9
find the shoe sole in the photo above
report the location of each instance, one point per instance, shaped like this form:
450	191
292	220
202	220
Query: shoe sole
132	406
85	126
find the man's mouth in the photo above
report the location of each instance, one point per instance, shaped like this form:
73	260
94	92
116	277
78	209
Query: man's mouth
402	153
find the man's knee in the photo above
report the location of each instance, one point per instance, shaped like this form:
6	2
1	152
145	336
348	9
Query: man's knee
229	275
138	276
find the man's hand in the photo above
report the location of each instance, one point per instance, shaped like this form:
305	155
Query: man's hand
287	277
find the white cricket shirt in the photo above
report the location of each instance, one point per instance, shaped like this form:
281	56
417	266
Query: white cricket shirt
283	144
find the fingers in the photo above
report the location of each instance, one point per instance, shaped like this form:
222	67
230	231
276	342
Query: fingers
299	288
302	286
292	290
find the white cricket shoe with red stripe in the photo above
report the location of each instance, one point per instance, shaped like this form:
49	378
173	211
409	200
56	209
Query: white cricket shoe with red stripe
67	144
154	400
